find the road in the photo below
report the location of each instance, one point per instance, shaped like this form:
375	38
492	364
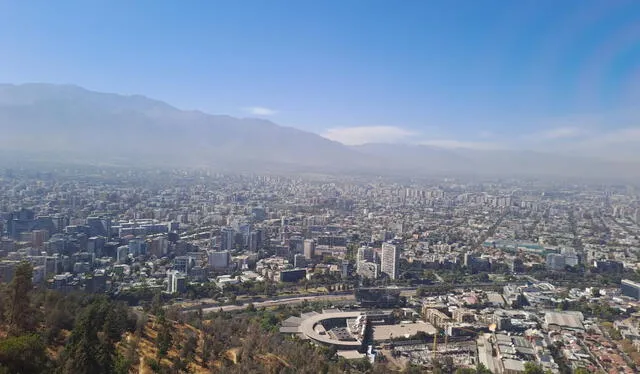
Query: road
210	305
283	301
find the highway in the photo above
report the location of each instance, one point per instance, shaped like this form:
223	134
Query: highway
210	305
280	301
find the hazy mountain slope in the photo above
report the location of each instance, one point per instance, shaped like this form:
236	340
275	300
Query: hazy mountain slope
70	119
69	123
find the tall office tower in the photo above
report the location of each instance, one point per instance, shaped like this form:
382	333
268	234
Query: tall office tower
390	259
19	222
299	261
252	242
38	237
309	248
218	259
96	227
122	253
227	239
137	247
95	245
344	271
296	244
176	281
60	222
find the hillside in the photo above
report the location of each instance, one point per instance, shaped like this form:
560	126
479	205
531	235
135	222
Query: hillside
43	331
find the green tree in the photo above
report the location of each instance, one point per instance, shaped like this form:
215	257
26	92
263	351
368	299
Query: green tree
23	354
165	336
21	316
188	351
531	368
89	349
465	371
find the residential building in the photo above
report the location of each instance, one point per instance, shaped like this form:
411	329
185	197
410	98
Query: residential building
390	259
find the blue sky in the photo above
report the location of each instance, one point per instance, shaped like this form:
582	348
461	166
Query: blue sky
477	74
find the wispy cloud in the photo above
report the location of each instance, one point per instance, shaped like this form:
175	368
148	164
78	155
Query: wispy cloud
261	111
368	134
458	144
563	133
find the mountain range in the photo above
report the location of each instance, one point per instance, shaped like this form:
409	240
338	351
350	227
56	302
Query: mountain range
73	124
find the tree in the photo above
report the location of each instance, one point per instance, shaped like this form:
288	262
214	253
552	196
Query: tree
531	368
156	303
21	316
481	369
165	335
465	371
189	348
23	354
206	350
90	349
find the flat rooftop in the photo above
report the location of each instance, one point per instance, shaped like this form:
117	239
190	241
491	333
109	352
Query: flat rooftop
384	332
569	320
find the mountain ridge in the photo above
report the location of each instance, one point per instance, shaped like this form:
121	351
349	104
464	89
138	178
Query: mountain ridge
70	120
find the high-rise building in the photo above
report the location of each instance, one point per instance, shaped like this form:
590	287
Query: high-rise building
296	244
60	222
38	237
570	257
258	214
344	271
516	265
137	247
218	259
475	264
176	281
183	263
309	248
19	222
227	239
365	254
122	253
98	226
390	259
95	245
299	261
158	246
255	240
630	288
555	261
